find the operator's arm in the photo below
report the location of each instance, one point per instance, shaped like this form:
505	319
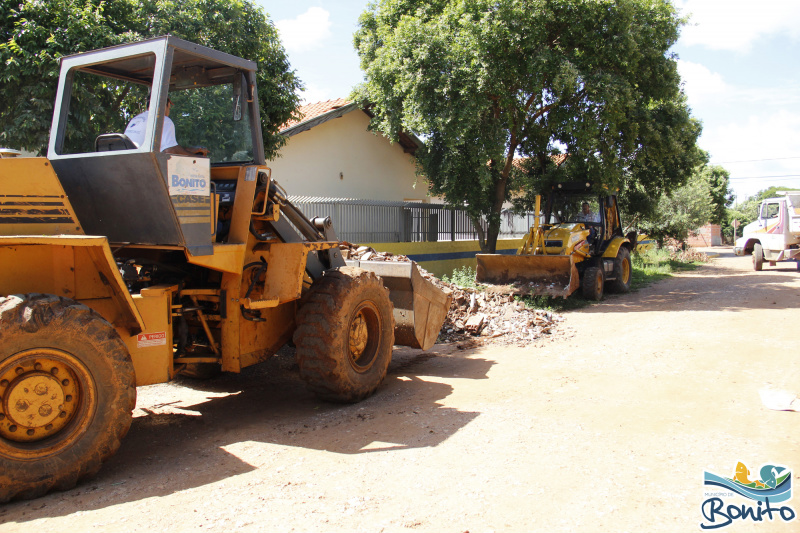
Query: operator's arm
180	150
168	139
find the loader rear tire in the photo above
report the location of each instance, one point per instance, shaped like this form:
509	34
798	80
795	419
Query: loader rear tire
592	284
622	272
67	391
758	257
344	335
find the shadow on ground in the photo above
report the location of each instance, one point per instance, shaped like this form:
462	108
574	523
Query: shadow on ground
166	452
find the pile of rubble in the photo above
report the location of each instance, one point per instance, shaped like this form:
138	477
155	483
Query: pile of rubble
365	253
476	314
494	316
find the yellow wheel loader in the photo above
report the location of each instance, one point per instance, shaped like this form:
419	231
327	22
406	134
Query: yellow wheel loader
575	242
123	264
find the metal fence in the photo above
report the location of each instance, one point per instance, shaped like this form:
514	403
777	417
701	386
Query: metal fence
362	221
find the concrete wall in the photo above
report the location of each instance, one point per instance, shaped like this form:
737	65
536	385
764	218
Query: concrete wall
441	258
341	159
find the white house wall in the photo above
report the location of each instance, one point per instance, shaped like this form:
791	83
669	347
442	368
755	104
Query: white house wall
341	159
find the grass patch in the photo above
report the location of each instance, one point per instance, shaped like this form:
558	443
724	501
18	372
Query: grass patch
463	277
656	264
647	267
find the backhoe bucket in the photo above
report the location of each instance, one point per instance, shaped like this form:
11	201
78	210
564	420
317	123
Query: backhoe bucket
551	275
420	307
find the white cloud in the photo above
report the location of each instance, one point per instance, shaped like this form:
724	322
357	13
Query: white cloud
755	147
307	31
704	87
736	24
700	83
313	94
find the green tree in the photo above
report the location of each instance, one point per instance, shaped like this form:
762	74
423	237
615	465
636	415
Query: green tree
703	199
718	180
34	34
487	82
684	209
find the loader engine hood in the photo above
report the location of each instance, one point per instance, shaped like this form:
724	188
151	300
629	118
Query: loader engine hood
561	239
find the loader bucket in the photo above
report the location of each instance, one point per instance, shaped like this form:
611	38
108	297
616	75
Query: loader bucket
551	275
420	307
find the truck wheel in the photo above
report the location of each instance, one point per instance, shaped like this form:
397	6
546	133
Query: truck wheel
67	390
758	257
345	334
622	271
592	284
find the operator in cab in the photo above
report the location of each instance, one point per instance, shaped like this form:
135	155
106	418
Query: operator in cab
169	144
587	215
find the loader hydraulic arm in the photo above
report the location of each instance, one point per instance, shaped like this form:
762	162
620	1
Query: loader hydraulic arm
317	230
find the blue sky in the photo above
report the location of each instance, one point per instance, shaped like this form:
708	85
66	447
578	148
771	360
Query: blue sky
739	62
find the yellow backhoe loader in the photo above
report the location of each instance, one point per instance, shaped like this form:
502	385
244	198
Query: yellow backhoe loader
571	245
124	265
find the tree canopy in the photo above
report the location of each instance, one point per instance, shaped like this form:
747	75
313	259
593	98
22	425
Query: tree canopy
492	83
34	34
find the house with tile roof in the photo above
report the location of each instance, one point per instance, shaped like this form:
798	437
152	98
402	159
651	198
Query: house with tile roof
332	165
331	153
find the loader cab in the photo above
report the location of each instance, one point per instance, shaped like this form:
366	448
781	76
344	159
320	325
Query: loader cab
134	192
564	206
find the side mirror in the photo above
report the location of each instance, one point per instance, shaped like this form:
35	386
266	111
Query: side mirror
239	95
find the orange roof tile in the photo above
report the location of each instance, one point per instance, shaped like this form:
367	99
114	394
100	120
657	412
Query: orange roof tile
557	159
310	111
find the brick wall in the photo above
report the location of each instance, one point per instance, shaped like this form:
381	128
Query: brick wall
708	235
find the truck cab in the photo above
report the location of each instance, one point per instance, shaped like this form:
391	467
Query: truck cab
775	235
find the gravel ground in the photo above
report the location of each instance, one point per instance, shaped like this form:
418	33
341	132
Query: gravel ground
607	424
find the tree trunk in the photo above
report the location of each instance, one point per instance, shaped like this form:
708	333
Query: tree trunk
476	223
493	220
493	231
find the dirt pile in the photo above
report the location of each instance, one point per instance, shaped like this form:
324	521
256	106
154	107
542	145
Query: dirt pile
475	314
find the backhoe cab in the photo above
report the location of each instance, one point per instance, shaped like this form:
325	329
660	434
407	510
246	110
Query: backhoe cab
124	265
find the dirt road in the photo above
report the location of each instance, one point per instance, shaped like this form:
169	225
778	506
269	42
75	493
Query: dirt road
608	426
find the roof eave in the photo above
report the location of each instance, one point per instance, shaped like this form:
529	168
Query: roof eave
306	125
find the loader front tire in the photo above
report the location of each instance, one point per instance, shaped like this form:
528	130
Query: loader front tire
67	391
344	335
622	272
592	284
758	257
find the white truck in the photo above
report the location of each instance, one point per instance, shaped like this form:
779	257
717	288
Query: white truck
775	235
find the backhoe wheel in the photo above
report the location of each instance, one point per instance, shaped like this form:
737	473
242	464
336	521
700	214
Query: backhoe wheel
67	391
345	334
622	271
758	257
592	284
